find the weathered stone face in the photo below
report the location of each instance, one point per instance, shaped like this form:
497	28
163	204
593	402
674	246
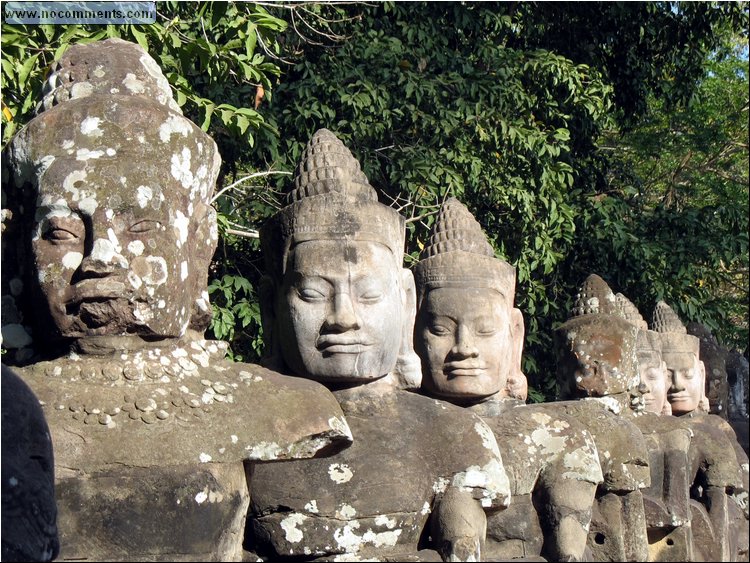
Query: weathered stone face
464	339
653	374
340	310
687	376
121	216
596	356
468	335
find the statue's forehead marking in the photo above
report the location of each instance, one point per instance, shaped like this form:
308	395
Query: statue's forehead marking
132	83
181	168
86	154
181	223
136	247
144	194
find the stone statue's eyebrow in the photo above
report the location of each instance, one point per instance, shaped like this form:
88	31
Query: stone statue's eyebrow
53	210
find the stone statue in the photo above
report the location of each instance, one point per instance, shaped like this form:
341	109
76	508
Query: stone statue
718	464
680	352
470	338
106	249
338	305
597	364
666	500
738	375
29	511
653	372
714	358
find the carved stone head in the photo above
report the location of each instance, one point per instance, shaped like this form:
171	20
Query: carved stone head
651	367
468	335
680	352
109	196
653	372
596	347
336	299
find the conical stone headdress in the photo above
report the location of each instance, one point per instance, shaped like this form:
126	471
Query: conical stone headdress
458	255
648	342
113	66
594	296
674	336
629	311
330	199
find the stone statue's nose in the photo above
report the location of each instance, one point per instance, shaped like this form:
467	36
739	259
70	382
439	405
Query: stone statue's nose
464	346
342	316
677	384
643	388
103	259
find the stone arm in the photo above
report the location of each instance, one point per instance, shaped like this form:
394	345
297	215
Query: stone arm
458	526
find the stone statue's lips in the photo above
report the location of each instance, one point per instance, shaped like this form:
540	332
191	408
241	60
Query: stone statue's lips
342	344
95	289
465	368
678	397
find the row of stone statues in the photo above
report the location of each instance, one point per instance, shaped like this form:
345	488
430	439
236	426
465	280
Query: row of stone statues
389	420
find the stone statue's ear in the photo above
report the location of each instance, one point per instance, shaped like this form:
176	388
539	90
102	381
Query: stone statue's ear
267	293
703	404
205	239
517	330
408	370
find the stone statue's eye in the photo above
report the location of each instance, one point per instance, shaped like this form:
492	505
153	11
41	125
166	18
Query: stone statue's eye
371	296
60	235
63	229
440	330
145	226
487	330
653	374
310	294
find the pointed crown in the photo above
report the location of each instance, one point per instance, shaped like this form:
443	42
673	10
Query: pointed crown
330	198
459	255
328	166
594	297
628	311
111	66
674	336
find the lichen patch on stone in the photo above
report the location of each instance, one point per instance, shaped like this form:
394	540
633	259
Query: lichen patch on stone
340	473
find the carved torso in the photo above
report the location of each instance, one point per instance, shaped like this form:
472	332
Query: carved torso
375	497
164	432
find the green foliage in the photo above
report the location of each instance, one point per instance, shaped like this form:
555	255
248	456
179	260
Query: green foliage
680	221
644	49
236	316
210	53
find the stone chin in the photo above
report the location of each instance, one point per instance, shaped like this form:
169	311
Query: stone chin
341	368
116	317
462	388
